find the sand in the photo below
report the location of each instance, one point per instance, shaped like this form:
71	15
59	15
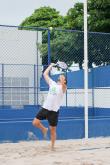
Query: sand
67	152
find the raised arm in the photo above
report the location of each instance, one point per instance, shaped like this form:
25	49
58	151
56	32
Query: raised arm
46	72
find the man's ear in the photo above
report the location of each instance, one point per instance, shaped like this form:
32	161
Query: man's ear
65	82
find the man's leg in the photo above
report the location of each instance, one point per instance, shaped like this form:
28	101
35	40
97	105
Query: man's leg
36	122
53	136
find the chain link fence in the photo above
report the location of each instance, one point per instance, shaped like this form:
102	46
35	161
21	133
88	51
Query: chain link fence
25	52
19	71
99	68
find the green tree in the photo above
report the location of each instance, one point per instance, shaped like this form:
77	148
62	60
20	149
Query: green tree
99	15
65	46
99	49
69	47
75	17
98	21
44	17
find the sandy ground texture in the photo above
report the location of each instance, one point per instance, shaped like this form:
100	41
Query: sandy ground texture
67	152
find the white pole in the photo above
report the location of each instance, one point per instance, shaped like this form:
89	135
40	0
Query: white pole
86	69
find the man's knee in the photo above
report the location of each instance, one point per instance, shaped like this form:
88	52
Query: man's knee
36	122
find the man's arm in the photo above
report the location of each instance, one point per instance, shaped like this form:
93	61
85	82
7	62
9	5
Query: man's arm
46	72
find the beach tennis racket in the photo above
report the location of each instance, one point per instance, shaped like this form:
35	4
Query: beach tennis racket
62	65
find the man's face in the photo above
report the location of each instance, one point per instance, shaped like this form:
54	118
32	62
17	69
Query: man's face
62	79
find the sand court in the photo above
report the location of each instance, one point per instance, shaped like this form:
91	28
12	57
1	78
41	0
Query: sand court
67	152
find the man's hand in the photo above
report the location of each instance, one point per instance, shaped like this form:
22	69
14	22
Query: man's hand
53	64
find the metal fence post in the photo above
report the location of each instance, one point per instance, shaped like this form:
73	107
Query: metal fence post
49	50
92	75
34	84
85	69
37	67
3	85
66	93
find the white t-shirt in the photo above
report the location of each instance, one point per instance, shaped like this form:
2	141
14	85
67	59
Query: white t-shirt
54	97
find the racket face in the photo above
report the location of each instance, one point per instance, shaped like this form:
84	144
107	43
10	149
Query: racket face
62	65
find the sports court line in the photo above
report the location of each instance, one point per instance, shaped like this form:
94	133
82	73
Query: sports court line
83	119
60	120
5	122
17	119
33	118
95	148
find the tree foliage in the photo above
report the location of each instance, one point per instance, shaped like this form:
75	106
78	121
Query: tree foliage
44	17
69	46
99	15
75	17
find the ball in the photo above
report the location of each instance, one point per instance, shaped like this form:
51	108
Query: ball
50	28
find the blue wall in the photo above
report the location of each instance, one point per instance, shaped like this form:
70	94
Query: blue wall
15	125
98	77
101	76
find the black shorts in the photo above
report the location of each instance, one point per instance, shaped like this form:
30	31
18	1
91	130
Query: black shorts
51	116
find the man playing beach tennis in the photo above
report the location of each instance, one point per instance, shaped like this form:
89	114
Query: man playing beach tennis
50	108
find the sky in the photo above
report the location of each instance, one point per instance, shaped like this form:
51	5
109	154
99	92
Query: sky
13	12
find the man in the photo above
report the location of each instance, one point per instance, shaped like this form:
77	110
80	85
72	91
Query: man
50	108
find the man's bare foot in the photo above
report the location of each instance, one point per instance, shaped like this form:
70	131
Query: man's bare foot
52	148
45	133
